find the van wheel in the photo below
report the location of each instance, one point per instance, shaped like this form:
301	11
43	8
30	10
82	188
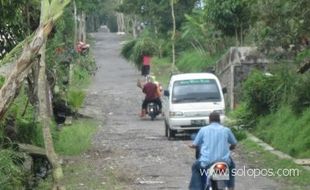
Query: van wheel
171	134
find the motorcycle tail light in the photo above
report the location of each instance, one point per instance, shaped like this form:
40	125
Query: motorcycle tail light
220	167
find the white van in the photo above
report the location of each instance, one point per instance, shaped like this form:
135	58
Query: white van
189	100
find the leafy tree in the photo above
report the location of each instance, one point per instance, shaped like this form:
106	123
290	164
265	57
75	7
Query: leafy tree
15	25
201	34
156	14
282	23
232	17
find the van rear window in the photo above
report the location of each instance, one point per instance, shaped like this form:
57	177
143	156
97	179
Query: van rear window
195	90
194	81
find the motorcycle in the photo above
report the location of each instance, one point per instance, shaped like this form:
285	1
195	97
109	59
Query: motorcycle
82	48
215	176
152	110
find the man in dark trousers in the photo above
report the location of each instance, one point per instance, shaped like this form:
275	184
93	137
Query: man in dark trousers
215	142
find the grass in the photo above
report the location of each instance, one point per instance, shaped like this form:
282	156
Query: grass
75	139
264	159
84	172
75	98
286	132
81	77
194	61
11	173
161	69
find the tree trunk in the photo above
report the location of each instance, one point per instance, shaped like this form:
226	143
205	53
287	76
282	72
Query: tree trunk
120	22
45	120
134	26
75	25
79	27
173	32
237	38
241	34
83	27
32	80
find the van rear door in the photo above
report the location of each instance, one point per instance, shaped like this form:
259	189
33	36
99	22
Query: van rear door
195	90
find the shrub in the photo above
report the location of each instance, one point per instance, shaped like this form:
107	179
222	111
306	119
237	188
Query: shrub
301	96
261	93
80	78
127	49
239	134
76	138
11	173
194	61
76	98
161	68
242	117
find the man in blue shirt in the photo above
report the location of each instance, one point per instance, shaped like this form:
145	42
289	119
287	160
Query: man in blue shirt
215	142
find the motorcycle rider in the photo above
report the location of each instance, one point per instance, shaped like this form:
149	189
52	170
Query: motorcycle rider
215	142
152	94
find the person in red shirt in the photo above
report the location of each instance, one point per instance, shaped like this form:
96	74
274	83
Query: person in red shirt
152	94
146	64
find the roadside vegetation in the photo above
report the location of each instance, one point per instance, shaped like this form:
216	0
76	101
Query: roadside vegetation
68	74
75	139
260	158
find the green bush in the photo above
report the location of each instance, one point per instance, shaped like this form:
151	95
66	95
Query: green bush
81	77
29	132
161	69
76	98
262	93
87	62
242	117
239	134
11	173
194	61
127	49
301	96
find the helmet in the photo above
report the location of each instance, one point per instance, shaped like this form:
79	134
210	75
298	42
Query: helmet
151	78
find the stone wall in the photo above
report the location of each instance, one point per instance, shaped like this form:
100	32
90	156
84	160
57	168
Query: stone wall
234	67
